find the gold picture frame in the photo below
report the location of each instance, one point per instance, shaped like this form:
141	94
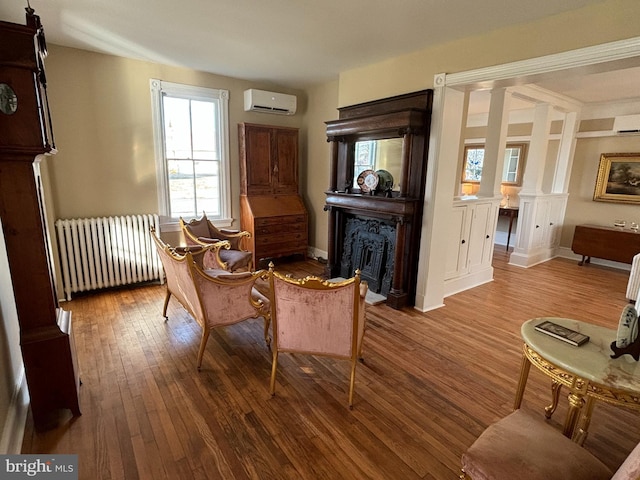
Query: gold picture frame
618	178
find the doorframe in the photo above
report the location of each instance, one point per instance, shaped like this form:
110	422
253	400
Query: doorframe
441	167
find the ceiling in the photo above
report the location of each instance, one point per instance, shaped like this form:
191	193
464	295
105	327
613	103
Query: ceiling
293	43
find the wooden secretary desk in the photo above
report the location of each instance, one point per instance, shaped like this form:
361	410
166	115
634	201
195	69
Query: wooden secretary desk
271	208
46	337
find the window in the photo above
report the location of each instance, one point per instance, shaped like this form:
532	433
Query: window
514	157
191	137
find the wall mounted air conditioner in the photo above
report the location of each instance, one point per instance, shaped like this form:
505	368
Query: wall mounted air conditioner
269	102
627	125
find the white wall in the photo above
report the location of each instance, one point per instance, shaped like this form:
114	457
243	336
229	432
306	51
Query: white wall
12	385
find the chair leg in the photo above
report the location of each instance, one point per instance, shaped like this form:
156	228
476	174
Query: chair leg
352	382
166	304
267	323
203	343
274	367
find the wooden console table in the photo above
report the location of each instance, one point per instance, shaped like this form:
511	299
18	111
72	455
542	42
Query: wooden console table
512	213
608	243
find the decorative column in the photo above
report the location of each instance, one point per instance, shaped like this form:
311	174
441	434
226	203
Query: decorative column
496	142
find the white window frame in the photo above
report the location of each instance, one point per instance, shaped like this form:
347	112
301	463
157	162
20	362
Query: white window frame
158	88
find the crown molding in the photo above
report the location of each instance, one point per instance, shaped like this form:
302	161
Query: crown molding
584	57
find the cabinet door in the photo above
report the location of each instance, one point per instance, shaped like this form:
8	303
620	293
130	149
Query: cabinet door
554	222
541	222
258	160
480	238
458	243
285	178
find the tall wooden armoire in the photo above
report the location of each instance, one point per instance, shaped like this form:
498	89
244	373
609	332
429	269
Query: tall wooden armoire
46	338
270	204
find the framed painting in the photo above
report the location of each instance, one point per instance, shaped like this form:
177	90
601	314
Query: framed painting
618	178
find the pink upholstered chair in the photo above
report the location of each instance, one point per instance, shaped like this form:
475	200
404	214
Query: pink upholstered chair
523	446
203	232
317	317
213	297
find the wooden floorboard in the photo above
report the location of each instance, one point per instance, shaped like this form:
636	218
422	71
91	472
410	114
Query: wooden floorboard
430	384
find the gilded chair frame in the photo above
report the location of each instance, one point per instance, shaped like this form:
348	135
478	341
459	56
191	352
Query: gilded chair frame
234	237
201	284
358	320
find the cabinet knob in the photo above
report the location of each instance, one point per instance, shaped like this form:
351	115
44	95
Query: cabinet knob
464	241
487	236
537	226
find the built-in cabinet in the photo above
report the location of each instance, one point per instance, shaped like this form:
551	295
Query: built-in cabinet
271	208
470	248
539	228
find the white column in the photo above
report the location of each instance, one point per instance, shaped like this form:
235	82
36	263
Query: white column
538	146
495	143
443	155
565	153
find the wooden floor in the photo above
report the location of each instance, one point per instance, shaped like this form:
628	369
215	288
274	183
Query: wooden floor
430	384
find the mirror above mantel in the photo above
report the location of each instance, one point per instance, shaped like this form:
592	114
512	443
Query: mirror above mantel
375	155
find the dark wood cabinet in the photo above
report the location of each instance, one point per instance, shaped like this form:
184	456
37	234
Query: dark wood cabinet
377	230
271	208
608	243
46	335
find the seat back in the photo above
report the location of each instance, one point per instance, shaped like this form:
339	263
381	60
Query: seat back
228	298
316	316
630	468
196	228
178	277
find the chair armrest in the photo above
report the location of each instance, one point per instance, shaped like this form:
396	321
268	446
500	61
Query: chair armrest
209	240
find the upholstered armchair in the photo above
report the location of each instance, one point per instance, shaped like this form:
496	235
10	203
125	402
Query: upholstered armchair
317	317
524	446
202	232
214	298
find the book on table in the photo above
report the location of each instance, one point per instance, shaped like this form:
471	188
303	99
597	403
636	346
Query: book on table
562	333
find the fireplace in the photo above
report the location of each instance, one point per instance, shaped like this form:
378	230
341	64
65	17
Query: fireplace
376	195
369	246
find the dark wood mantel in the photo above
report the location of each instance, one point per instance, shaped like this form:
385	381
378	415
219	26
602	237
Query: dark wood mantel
406	117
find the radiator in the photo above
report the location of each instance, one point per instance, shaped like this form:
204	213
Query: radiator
633	286
107	252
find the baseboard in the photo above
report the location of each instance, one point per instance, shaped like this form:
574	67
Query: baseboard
566	252
313	252
465	282
14	424
530	259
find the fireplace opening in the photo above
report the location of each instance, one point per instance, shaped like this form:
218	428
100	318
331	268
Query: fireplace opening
369	246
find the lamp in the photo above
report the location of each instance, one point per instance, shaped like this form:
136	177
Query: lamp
467	188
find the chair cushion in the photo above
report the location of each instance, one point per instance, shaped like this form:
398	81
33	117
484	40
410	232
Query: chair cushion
524	446
235	258
630	468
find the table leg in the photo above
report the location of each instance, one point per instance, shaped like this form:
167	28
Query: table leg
522	383
582	429
510	225
555	396
576	403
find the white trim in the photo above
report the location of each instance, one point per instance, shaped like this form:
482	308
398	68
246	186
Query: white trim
198	93
430	282
583	57
14	422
